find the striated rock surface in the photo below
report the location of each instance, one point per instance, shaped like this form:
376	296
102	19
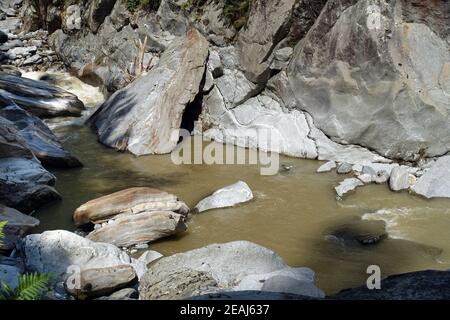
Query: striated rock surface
139	228
38	137
378	97
145	123
128	202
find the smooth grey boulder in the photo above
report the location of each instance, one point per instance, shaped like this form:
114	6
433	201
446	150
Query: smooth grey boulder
102	281
54	251
344	168
144	227
419	285
150	256
435	182
39	98
123	294
144	117
18	225
346	186
370	72
38	137
218	267
228	196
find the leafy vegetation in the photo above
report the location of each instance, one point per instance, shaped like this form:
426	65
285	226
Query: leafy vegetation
31	286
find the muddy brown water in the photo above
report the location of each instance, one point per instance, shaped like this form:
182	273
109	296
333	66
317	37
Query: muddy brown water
293	212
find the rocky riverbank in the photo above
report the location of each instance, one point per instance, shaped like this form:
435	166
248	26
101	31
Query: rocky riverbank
376	116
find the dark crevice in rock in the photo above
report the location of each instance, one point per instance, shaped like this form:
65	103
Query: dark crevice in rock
194	108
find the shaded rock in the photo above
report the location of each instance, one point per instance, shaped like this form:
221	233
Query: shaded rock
235	88
9	275
128	202
38	137
143	117
377	96
251	295
226	197
346	186
98	11
143	227
435	182
326	167
215	64
257	41
39	98
216	266
18	225
54	251
3	37
102	281
360	232
420	285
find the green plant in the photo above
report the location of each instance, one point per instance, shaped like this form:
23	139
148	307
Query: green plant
31	286
2	226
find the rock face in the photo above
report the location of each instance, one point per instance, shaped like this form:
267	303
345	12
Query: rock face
128	202
102	281
54	251
18	225
39	98
139	228
435	182
144	123
228	196
378	97
38	137
420	285
24	183
218	267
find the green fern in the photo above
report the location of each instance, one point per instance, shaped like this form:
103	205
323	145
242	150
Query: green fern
31	286
2	235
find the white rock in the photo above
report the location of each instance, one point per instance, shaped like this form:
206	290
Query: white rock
150	256
366	178
435	182
346	186
400	179
328	166
226	197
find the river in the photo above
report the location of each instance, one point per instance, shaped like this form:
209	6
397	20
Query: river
293	212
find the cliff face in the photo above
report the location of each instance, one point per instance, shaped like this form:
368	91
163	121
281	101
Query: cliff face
365	73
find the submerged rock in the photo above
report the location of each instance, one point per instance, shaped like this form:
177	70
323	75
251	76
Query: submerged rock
18	225
128	202
220	267
346	186
226	197
144	227
145	116
39	98
38	137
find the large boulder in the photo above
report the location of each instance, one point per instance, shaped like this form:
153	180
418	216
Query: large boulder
139	228
24	183
128	202
18	225
38	137
142	117
55	251
39	98
435	182
219	267
364	73
98	11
